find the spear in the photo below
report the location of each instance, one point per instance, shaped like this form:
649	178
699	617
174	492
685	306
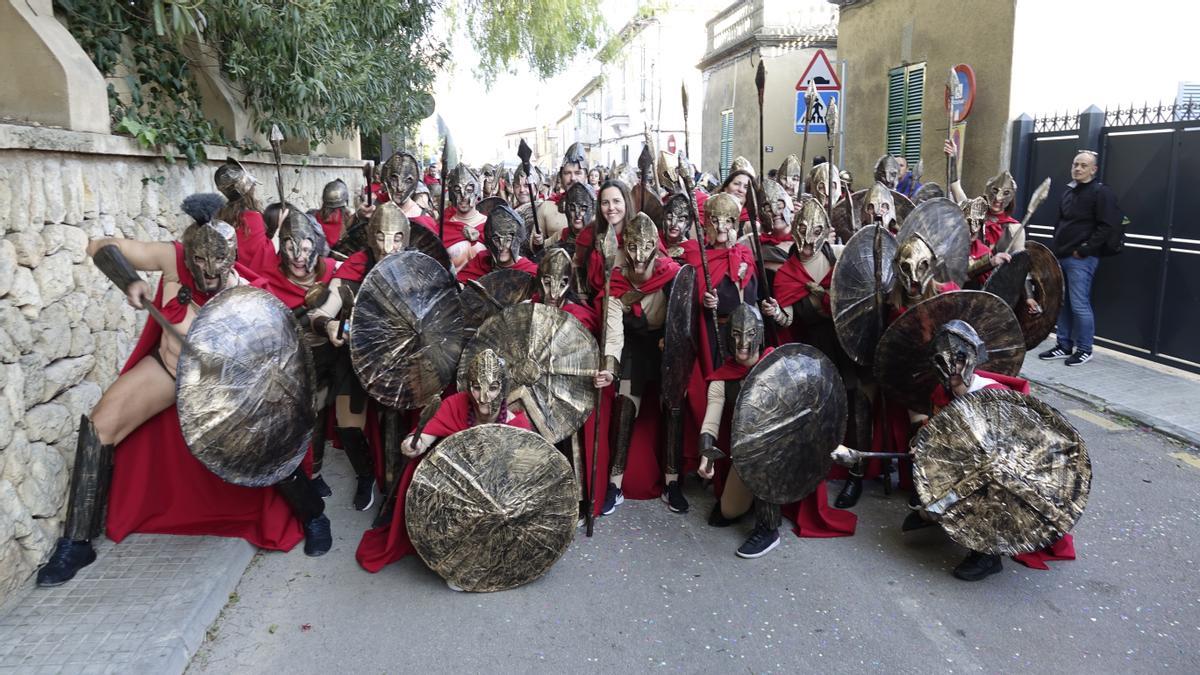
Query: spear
951	86
760	83
606	241
687	146
442	187
1014	237
685	178
832	124
524	152
646	169
276	142
810	98
369	174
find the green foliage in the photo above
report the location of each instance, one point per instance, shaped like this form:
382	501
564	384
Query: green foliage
616	45
545	34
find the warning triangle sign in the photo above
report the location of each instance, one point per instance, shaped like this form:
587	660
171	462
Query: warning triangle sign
821	72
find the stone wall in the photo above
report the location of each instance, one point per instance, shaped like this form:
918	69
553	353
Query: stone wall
65	331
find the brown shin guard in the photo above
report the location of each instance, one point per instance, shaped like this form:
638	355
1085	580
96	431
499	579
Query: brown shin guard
767	516
621	433
88	491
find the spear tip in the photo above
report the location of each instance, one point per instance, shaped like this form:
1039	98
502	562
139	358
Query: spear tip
276	134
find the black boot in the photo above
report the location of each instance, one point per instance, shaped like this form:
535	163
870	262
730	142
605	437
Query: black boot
354	441
68	558
977	565
851	491
300	494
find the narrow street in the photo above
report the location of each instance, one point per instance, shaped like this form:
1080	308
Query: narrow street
653	590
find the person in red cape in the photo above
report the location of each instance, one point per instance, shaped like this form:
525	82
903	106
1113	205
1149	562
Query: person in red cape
300	270
334	215
732	272
776	242
957	353
483	403
999	194
737	184
635	313
677	227
401	174
614	207
131	446
812	515
503	234
463	224
387	232
243	211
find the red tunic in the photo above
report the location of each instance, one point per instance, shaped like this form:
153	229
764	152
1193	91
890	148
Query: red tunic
454	228
722	263
159	487
353	268
1063	549
332	225
995	225
791	284
254	249
812	515
388	543
481	264
663	274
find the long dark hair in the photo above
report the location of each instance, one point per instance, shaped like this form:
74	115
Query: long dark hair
233	209
625	194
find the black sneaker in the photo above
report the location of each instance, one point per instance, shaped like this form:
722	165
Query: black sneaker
1058	352
760	543
364	494
317	537
914	521
612	499
1079	358
977	566
674	498
322	487
68	558
718	519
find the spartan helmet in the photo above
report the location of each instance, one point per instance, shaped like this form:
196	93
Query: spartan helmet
777	204
487	382
233	180
810	228
957	350
503	234
708	183
926	192
790	174
887	171
579	205
667	170
400	175
742	164
847	180
746	329
554	276
879	207
491	179
1000	190
209	252
721	213
388	230
462	186
818	182
976	211
915	263
640	243
301	241
677	219
576	155
574	166
335	195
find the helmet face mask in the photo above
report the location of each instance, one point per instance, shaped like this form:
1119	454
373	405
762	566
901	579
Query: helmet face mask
914	267
1001	189
335	195
299	245
819	183
579	206
747	332
810	229
879	207
388	230
887	171
487	384
777	205
503	234
957	352
976	211
554	276
400	175
721	213
462	186
790	175
677	219
640	243
209	253
233	180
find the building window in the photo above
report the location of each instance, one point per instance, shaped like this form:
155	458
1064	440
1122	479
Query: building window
906	94
726	141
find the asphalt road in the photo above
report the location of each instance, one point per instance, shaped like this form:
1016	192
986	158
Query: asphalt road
664	592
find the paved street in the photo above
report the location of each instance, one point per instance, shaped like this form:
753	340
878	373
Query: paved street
659	591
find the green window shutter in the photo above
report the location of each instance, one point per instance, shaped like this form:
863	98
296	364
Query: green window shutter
726	141
895	110
914	100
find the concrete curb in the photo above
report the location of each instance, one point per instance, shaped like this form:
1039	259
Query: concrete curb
1146	419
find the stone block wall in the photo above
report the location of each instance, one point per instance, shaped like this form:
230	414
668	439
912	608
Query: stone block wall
65	330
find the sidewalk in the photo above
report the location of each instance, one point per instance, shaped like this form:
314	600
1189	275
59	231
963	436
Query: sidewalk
142	607
1153	395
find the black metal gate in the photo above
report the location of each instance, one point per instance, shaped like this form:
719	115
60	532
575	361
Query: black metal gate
1146	299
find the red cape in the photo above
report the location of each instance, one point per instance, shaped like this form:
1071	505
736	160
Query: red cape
481	264
722	263
159	487
332	225
454	228
254	249
291	294
388	543
353	268
791	283
813	516
426	221
664	272
994	226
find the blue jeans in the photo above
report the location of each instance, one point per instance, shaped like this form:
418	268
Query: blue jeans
1076	323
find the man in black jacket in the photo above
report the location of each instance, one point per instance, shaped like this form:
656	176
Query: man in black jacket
1086	216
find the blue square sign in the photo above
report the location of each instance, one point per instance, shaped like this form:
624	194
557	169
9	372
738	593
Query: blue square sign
817	124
